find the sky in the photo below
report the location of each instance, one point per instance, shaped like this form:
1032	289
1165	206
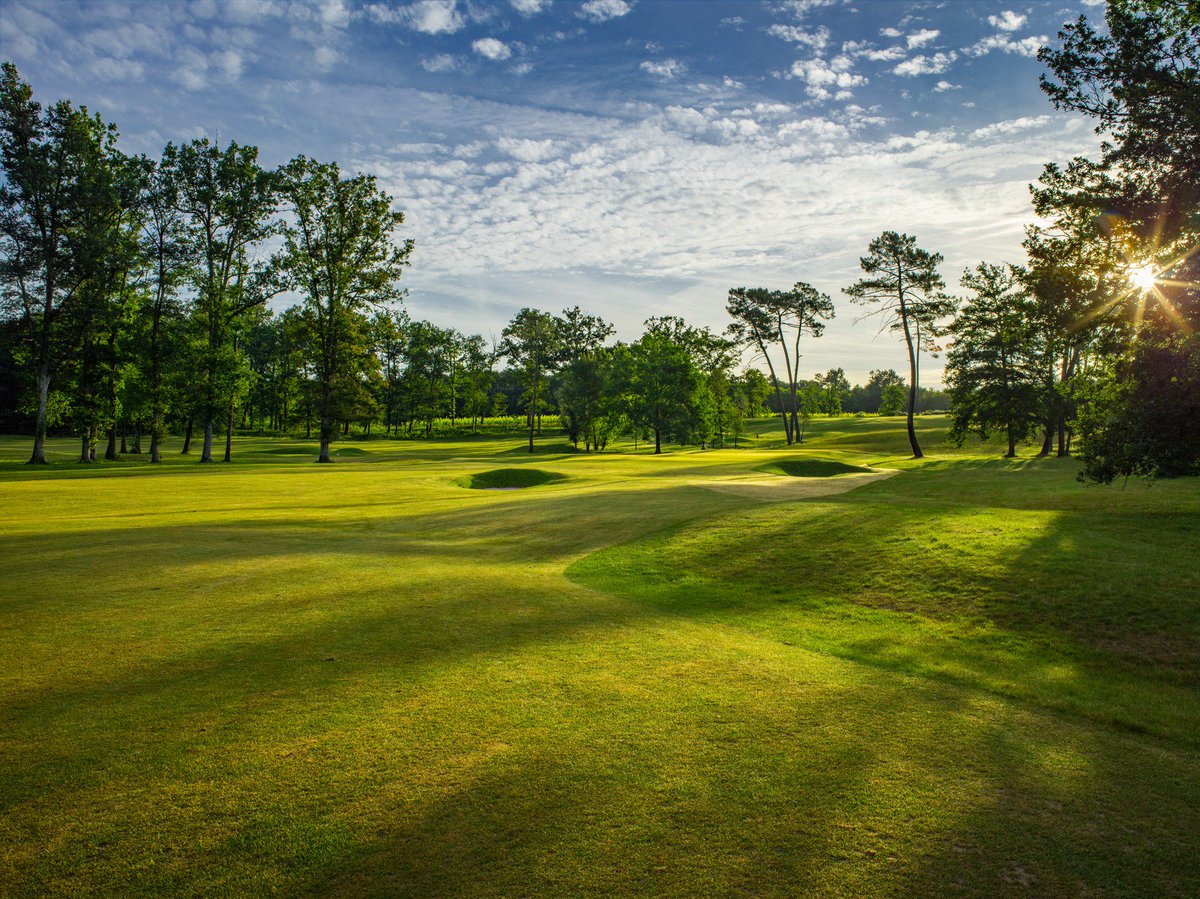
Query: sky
633	157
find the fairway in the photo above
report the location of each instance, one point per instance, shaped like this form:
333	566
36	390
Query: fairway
451	667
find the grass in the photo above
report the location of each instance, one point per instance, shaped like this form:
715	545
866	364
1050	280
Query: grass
973	678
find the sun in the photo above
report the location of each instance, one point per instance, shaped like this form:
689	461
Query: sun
1143	277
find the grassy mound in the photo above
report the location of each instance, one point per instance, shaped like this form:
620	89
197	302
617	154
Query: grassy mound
811	468
509	479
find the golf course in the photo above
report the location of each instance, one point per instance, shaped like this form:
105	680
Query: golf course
452	667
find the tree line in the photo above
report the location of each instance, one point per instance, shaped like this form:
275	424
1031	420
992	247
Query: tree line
136	291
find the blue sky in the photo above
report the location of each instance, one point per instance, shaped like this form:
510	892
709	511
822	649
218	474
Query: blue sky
634	158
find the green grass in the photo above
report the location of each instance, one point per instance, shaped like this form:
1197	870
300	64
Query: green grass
973	678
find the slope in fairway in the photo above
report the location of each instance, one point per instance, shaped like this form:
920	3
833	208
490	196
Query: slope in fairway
362	679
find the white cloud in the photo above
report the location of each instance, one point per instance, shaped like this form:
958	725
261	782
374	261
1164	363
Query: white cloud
921	38
530	7
891	32
443	62
524	67
818	39
490	48
528	150
891	54
942	86
324	58
668	68
1011	126
926	65
801	8
603	10
823	77
426	16
1007	20
1026	46
734	22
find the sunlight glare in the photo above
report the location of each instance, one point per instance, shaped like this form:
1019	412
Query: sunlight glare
1143	277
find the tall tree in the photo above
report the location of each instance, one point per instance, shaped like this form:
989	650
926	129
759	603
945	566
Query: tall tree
661	382
166	250
533	342
42	154
906	291
341	253
834	389
753	327
994	370
1139	78
228	201
108	258
795	312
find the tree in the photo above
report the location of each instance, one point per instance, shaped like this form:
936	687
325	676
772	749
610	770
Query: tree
661	382
42	154
228	202
533	341
764	317
800	309
994	369
834	389
906	290
1140	81
893	398
98	320
340	253
752	327
166	251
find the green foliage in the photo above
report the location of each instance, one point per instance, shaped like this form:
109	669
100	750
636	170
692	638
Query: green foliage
1140	415
996	366
340	253
904	289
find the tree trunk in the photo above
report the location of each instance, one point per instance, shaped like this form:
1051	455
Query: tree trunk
39	434
657	442
229	434
85	450
533	408
328	426
206	452
1012	443
912	386
110	451
154	446
187	436
137	438
1047	440
124	440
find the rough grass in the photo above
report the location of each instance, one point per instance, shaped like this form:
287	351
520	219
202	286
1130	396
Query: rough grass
974	678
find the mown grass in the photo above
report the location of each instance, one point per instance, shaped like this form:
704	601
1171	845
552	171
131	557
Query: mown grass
974	678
